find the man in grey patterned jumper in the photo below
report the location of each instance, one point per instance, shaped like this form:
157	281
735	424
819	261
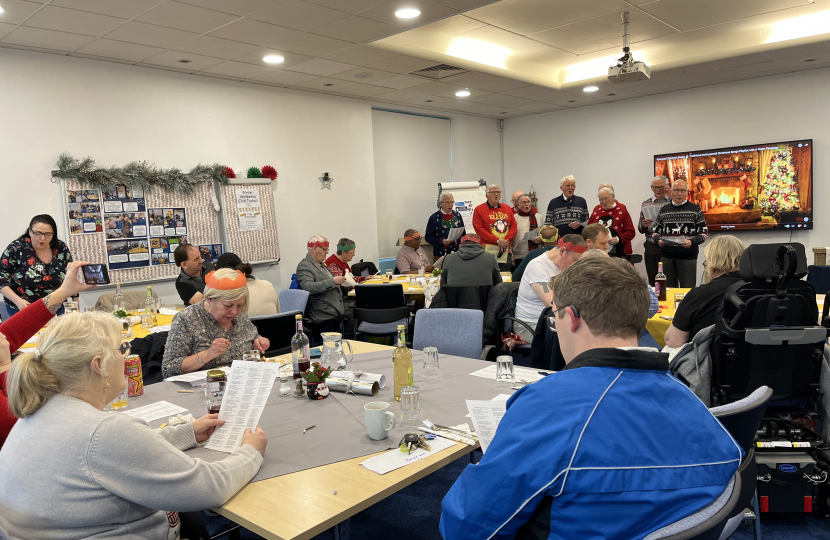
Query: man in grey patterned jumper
660	187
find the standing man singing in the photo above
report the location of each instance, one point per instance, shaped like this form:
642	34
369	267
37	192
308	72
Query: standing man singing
679	229
568	212
496	226
660	188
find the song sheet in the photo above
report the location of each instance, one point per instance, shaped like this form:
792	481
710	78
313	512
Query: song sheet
154	411
486	416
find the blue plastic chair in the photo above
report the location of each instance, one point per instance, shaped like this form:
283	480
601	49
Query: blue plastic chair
647	340
4	312
293	300
452	331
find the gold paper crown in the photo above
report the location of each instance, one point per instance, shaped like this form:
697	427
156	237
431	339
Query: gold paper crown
226	284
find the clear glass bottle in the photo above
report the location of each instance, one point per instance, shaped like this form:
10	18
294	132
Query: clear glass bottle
300	356
402	360
118	299
660	283
149	319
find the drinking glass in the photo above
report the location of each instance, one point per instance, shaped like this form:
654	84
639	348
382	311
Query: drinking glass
70	307
421	271
410	406
147	321
430	362
678	297
389	276
251	356
286	388
214	392
504	371
120	402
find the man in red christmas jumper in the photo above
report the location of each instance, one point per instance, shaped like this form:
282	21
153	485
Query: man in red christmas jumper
614	216
496	226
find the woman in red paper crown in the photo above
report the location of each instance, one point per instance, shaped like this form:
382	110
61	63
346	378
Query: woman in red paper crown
215	331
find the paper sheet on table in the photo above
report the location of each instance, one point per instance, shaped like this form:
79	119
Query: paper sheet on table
519	373
245	396
439	262
154	411
395	459
455	233
651	212
494	249
196	378
162	328
167	311
531	235
486	416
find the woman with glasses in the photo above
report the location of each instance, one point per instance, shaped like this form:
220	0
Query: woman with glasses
34	265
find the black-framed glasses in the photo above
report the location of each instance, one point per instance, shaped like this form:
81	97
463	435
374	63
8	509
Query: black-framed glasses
552	319
46	235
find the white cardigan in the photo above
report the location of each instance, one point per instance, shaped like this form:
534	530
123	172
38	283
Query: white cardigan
519	246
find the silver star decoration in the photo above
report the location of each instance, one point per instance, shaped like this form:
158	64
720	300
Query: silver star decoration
326	181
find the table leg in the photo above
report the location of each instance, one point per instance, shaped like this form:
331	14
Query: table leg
341	530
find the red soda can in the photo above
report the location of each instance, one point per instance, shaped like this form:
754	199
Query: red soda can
135	381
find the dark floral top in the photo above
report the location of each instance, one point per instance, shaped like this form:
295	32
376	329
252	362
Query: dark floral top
23	271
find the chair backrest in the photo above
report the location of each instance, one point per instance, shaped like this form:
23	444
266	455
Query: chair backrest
293	300
385	296
369	267
4	312
742	418
132	300
386	264
462	297
279	329
452	331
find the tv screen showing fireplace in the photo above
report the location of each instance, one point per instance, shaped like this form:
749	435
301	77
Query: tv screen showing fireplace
759	186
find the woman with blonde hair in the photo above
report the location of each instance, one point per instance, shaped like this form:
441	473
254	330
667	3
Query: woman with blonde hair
70	470
214	331
722	263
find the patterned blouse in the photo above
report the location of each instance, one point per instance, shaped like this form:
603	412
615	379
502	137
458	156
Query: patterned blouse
23	271
193	331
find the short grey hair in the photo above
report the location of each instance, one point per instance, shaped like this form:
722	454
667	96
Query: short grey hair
491	186
607	188
522	196
568	178
445	195
660	178
317	238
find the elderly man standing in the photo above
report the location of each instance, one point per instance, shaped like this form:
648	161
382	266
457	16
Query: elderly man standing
515	198
679	229
411	257
651	207
439	225
568	212
325	300
549	236
614	216
495	224
527	219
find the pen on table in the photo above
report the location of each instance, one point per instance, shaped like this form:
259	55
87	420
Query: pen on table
306	429
543	373
186	391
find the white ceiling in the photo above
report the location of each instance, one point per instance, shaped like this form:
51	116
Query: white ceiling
550	49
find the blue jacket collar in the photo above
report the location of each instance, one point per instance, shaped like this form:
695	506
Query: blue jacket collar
621	358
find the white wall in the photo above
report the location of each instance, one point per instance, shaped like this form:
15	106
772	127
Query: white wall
616	142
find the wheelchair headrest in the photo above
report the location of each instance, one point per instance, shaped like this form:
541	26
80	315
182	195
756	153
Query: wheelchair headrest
763	261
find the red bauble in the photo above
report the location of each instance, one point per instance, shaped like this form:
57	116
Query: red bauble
228	172
269	172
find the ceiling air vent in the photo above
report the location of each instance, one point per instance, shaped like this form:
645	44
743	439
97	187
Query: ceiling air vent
440	71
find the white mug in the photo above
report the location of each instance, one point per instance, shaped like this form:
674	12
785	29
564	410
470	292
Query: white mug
379	420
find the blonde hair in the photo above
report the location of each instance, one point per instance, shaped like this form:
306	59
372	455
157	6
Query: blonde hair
723	254
62	363
227	295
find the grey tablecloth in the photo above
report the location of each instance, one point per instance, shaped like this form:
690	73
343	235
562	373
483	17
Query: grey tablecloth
339	433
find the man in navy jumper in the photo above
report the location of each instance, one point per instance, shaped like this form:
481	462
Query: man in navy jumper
568	212
679	229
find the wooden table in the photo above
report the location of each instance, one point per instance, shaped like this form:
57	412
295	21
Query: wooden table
303	504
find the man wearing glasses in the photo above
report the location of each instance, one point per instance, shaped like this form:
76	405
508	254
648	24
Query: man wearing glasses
495	224
679	229
325	300
651	207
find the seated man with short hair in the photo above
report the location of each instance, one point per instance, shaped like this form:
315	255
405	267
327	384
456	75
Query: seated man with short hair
549	236
596	236
612	446
470	266
325	297
191	281
411	257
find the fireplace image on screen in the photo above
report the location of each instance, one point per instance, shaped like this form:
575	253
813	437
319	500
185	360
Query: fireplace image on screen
756	187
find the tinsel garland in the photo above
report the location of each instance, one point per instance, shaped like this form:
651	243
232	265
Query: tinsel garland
137	174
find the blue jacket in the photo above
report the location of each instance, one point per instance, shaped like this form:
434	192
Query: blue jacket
611	447
437	231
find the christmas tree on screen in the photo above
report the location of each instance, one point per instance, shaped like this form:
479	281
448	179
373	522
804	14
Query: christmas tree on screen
780	190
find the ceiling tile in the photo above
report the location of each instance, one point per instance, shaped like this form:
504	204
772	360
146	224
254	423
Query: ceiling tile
356	29
6	28
219	48
465	4
602	32
185	17
46	39
403	64
451	94
125	9
484	81
399	82
321	67
429	101
299	15
351	6
17	11
574	101
398	95
430	11
256	32
686	15
795	52
234	7
364	75
287	78
73	21
456	104
119	50
363	90
527	91
539	107
171	59
238	70
500	100
326	84
313	45
528	16
486	109
149	34
360	55
256	58
550	96
433	88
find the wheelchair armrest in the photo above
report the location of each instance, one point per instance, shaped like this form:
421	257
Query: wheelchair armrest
515	320
489	352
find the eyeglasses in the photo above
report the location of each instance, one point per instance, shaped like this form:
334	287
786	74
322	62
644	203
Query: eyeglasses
494	192
679	190
605	199
552	319
661	188
38	234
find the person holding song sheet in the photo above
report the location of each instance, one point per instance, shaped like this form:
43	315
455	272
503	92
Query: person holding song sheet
528	221
679	229
440	226
648	213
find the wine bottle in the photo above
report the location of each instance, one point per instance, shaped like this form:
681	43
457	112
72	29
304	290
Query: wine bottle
300	354
402	360
660	283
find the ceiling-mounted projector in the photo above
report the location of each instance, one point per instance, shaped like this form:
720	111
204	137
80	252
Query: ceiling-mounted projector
627	70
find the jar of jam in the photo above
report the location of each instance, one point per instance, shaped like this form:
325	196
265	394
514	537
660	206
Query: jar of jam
215	390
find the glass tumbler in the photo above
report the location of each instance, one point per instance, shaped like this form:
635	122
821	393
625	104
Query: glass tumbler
504	371
251	356
389	276
214	392
430	362
120	402
410	406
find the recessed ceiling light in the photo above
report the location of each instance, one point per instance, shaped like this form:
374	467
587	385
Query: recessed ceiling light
462	93
273	59
184	61
407	13
363	75
590	89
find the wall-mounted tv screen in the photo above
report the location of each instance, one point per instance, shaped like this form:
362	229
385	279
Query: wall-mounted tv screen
759	186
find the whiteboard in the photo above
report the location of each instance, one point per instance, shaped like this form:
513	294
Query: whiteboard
467	196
